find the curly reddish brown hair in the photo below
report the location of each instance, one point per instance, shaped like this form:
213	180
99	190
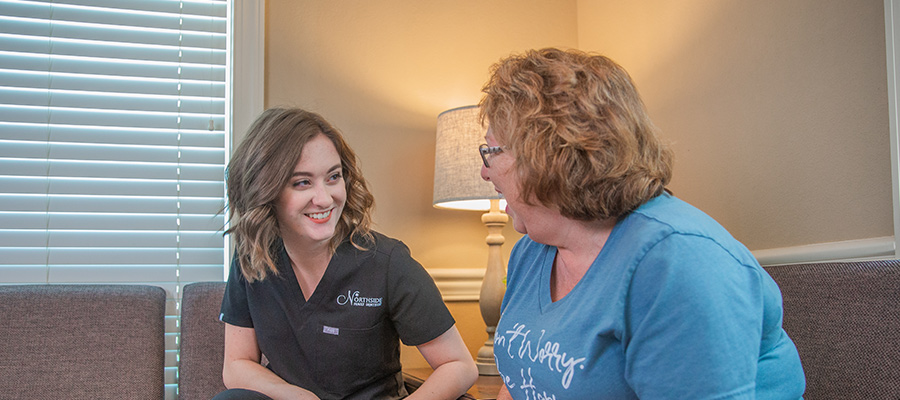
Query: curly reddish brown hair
580	134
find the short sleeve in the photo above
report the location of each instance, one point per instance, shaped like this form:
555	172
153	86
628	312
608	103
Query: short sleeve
689	319
416	306
235	309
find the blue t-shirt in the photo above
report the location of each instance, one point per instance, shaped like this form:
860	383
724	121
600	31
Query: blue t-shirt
673	307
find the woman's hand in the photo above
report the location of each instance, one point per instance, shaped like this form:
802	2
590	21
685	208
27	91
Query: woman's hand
243	370
454	370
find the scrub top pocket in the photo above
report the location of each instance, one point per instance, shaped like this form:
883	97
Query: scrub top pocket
348	357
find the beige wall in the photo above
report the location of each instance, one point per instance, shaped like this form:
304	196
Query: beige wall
777	109
382	71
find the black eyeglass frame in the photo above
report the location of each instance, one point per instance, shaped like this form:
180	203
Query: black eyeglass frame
486	151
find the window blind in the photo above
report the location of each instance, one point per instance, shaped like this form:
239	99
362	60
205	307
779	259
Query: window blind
113	144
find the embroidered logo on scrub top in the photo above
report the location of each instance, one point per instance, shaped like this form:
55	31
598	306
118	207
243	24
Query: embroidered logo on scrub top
354	299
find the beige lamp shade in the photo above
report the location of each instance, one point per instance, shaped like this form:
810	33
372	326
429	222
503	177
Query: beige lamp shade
458	185
457	163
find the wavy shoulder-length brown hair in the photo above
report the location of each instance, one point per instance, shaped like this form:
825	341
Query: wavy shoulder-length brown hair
580	134
261	167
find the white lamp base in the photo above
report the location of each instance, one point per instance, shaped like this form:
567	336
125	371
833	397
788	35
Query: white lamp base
485	359
493	286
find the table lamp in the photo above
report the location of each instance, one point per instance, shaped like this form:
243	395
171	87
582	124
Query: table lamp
458	186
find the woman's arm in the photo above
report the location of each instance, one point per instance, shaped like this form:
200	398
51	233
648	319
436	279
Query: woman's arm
242	369
454	370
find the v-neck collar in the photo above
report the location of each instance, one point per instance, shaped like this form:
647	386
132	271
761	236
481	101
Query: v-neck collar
546	301
546	269
292	286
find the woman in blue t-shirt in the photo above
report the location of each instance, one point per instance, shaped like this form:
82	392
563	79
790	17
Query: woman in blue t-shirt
618	290
317	303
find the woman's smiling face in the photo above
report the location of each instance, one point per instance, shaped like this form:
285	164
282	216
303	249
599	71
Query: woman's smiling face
311	203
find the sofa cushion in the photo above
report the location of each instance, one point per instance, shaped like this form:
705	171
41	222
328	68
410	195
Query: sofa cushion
82	341
845	320
202	341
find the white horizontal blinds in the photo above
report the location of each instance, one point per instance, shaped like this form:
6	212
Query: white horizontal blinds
112	143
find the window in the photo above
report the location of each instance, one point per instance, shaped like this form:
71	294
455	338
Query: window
113	144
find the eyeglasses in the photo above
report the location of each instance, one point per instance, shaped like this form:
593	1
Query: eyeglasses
487	151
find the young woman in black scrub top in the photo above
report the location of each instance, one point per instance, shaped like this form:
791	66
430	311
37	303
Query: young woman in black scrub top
316	302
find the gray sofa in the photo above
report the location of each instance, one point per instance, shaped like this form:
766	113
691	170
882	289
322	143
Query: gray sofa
845	320
843	317
202	341
82	342
106	341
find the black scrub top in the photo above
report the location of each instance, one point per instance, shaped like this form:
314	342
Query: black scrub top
343	342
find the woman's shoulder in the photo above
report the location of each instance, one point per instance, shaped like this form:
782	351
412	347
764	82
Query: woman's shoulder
376	243
670	214
667	217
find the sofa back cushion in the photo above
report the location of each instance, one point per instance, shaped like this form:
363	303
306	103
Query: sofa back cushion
845	320
82	341
202	341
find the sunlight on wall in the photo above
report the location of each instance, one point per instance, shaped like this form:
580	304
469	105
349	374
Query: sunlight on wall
643	36
382	72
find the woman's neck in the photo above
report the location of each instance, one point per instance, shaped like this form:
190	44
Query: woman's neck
309	262
583	240
578	245
301	248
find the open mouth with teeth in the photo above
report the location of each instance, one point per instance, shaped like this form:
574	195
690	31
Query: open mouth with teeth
320	217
